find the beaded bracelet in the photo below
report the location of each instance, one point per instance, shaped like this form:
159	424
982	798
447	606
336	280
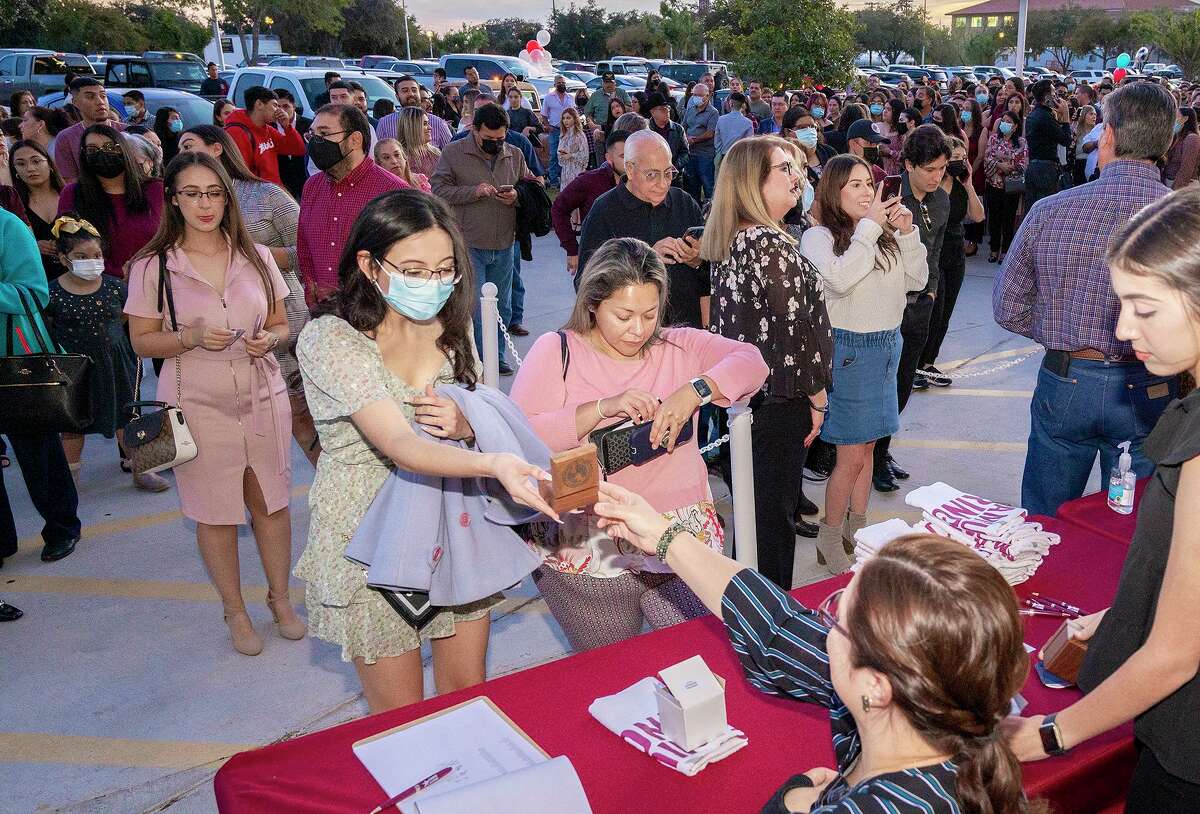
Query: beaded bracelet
668	537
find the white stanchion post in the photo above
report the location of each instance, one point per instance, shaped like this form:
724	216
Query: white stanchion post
745	534
489	316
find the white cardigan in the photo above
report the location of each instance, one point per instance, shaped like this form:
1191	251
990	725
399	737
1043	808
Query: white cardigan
859	295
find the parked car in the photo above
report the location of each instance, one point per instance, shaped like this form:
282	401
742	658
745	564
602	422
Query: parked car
412	67
627	83
1091	75
194	109
683	72
328	63
985	72
154	72
352	63
495	66
38	70
623	65
305	84
589	67
579	76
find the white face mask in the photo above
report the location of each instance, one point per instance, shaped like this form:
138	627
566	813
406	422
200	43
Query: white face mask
87	269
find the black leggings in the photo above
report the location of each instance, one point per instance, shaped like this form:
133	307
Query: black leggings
1002	218
1154	790
954	269
778	434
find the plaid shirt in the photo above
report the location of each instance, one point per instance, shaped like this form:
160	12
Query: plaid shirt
1054	287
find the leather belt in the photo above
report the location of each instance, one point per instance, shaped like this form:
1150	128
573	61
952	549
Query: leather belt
1096	356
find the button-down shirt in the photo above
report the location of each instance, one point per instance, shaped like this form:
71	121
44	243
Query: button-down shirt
731	127
328	209
1054	287
439	131
66	149
553	106
696	123
930	215
486	222
1093	158
519	141
580	194
1044	133
596	108
619	213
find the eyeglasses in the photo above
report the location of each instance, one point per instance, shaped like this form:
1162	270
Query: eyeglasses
312	134
193	195
827	612
112	148
29	163
656	176
417	276
786	167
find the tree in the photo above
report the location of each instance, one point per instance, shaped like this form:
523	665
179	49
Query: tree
247	17
580	32
168	30
889	30
373	27
1053	31
466	40
639	39
942	47
508	36
81	26
1103	35
23	23
1176	34
981	49
783	42
681	28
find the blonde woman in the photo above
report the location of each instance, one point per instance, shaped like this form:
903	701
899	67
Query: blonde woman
389	154
572	147
751	251
412	130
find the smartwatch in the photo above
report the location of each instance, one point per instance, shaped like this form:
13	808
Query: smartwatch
702	390
1052	740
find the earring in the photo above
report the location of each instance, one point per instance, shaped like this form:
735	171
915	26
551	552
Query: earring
866	704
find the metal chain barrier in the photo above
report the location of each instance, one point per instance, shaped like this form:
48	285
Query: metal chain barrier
974	374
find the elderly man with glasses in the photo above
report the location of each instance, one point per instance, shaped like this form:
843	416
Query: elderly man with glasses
647	207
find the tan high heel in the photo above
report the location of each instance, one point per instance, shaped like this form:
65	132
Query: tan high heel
288	630
830	552
245	640
853	524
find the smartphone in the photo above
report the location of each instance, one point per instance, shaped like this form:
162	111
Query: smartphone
237	334
258	326
505	189
640	450
694	232
891	187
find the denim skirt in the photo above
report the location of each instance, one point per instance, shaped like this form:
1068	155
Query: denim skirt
863	403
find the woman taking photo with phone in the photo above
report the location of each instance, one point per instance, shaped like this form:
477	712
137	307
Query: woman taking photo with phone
226	295
1004	167
400	324
868	254
1143	653
614	362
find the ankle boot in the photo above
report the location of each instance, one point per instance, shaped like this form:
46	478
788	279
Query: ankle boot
294	628
245	640
850	526
830	552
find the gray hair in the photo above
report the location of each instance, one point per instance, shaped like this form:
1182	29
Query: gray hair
145	150
618	263
643	141
1141	115
630	122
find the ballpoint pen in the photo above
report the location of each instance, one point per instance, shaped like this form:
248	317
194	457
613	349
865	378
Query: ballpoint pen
413	789
1056	614
1047	600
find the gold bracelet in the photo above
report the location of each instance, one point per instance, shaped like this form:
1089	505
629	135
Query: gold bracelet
600	412
179	336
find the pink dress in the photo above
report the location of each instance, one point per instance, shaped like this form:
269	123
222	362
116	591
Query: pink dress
236	406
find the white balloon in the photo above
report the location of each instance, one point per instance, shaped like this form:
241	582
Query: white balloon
537	56
523	56
543	38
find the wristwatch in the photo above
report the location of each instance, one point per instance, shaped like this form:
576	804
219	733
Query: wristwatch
1052	740
702	390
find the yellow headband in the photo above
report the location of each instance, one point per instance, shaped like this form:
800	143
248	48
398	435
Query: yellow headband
71	226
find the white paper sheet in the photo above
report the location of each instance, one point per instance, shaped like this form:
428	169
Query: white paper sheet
548	786
473	740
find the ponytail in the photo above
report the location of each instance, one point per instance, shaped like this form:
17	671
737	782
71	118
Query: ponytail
989	778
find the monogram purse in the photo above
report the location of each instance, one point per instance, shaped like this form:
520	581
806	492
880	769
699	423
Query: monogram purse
159	439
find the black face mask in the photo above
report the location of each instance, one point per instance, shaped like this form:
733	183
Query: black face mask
106	165
325	154
560	88
902	127
957	169
492	146
871	154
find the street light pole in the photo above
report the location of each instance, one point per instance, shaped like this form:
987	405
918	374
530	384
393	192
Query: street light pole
407	44
924	27
212	7
1022	19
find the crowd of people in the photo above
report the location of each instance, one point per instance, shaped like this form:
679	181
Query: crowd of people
316	278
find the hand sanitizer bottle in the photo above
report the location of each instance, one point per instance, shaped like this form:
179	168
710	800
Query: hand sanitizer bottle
1121	483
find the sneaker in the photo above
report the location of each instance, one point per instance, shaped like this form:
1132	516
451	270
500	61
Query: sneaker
920	382
150	482
505	369
938	379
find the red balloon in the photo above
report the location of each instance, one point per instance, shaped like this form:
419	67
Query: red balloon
1119	74
533	45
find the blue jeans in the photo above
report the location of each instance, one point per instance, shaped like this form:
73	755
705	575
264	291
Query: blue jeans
701	175
555	135
1091	410
518	288
493	266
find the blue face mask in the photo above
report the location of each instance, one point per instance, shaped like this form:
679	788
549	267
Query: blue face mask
1006	128
807	136
965	116
806	200
818	112
876	109
176	126
982	99
421	303
1176	128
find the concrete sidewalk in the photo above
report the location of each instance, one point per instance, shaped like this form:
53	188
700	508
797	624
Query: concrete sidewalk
121	692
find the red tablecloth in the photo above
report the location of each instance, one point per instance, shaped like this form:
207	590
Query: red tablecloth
319	773
1091	512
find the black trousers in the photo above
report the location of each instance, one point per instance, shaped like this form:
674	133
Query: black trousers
914	330
778	434
44	467
1002	217
954	270
1154	790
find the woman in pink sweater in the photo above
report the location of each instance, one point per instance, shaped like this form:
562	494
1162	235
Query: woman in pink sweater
620	363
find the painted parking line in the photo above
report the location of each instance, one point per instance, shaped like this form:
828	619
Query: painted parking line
38	747
987	357
974	446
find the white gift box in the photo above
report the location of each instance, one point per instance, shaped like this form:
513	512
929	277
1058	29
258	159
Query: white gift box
691	707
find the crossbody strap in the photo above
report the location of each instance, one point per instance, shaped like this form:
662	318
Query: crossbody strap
38	336
566	352
165	293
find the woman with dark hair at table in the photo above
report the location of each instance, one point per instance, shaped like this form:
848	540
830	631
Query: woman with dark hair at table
917	660
400	324
1143	654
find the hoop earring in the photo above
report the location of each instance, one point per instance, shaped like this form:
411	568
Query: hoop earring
866	704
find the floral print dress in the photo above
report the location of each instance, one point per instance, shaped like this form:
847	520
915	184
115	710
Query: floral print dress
1001	150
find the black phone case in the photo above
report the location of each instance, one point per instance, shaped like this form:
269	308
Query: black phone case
626	443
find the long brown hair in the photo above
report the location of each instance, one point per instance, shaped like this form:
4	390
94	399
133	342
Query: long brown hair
91	200
834	178
231	156
943	626
172	227
738	198
22	188
619	262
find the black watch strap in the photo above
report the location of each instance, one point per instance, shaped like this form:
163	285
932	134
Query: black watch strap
1051	736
